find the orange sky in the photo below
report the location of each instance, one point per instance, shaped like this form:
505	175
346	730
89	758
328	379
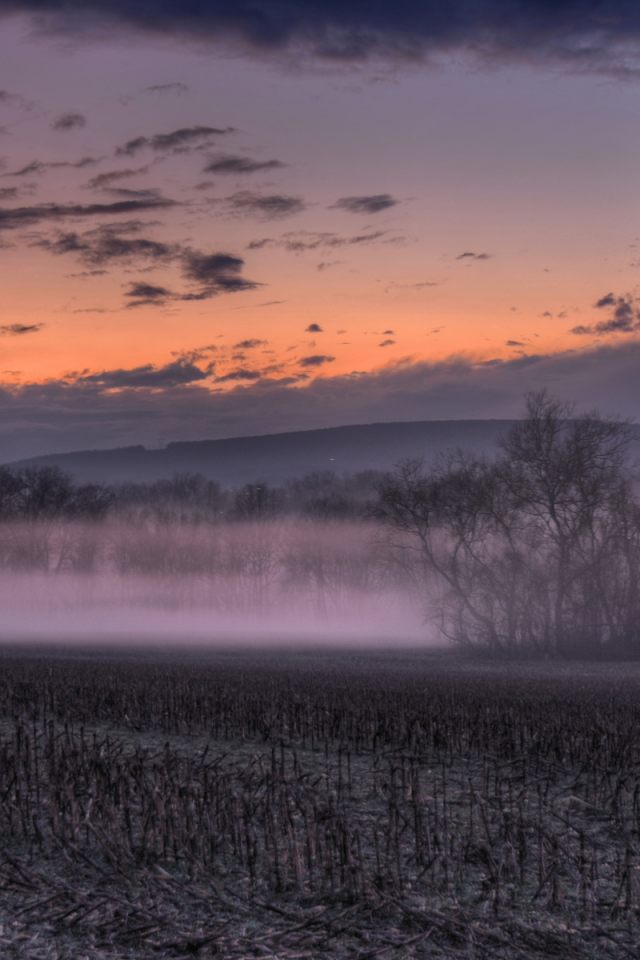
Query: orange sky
413	215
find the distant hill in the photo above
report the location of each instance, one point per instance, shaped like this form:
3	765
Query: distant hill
277	457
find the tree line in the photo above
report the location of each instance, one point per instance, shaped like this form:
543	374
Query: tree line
47	493
185	542
533	552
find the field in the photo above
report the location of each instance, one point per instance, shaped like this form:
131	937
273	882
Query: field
316	805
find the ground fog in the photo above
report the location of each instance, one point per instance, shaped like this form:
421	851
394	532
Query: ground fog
288	580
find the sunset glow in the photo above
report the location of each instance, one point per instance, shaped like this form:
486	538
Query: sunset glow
204	237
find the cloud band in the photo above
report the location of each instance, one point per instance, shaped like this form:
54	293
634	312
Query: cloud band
591	34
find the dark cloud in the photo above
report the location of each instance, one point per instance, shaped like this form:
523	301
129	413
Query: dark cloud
314	328
171	375
132	146
184	137
128	194
145	294
104	180
302	240
374	203
229	163
249	344
266	207
13	99
387	343
624	319
598	35
10	219
164	88
122	243
216	272
607	301
317	360
18	329
111	243
39	166
207	269
388	333
34	167
69	121
195	355
67	414
514	343
411	286
474	256
8	193
241	374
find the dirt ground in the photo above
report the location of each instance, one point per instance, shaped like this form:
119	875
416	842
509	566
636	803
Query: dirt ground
317	805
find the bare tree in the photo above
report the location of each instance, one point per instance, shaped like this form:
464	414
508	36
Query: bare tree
256	501
566	476
455	521
535	551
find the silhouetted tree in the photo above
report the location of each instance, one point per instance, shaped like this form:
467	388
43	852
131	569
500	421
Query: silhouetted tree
535	551
257	501
44	492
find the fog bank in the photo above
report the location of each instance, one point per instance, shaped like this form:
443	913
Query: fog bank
225	585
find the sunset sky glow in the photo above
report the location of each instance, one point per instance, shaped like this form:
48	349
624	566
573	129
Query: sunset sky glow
307	214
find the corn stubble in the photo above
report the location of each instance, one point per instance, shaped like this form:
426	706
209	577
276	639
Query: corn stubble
315	807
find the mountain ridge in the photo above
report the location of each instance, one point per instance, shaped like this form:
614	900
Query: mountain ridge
276	457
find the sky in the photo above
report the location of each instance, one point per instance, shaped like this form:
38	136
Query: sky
221	220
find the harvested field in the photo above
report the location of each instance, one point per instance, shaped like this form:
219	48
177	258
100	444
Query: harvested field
317	805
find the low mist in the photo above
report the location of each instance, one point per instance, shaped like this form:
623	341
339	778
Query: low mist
269	582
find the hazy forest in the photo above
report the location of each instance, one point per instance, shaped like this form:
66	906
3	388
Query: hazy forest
532	552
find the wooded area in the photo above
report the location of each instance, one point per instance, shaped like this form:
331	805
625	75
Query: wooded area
533	552
536	551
